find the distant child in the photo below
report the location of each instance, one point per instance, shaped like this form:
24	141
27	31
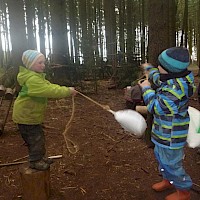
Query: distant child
30	105
169	106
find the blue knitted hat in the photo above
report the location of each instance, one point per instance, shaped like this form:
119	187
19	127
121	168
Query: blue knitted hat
29	57
175	59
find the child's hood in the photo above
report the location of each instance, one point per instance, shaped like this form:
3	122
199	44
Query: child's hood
24	74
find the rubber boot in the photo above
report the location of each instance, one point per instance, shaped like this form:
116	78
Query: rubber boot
163	185
39	165
48	160
179	195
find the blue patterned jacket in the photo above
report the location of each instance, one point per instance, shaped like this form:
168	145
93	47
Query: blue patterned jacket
169	106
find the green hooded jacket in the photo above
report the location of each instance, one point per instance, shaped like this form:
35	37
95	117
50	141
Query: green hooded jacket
29	107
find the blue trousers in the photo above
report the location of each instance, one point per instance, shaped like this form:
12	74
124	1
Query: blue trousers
171	167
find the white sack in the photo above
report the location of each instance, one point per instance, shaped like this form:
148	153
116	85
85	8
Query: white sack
193	138
131	121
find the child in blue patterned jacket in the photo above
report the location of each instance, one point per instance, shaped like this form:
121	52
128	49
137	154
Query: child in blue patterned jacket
169	106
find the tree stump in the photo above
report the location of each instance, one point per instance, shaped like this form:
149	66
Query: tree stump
35	184
9	93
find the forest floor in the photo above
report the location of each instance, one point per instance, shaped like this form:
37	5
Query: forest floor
109	163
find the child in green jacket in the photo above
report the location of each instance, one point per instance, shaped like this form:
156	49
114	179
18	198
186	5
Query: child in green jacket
30	105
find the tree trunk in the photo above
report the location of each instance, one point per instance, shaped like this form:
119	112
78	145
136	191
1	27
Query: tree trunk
41	22
130	31
198	40
58	25
110	26
158	29
172	22
73	30
35	184
17	30
122	26
83	22
143	31
158	41
30	20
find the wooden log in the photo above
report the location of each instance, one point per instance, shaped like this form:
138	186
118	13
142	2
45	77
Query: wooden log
35	184
9	94
2	90
141	109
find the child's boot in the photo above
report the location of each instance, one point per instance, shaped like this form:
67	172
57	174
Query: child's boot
179	195
39	165
163	185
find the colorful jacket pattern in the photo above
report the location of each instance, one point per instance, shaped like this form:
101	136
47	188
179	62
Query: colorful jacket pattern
169	106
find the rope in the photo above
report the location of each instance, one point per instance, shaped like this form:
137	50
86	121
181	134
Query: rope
71	146
105	107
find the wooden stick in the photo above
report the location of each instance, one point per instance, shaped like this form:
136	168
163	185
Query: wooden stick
21	162
20	158
12	163
196	185
55	157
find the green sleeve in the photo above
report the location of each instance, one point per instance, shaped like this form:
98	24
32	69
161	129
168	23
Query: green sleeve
40	87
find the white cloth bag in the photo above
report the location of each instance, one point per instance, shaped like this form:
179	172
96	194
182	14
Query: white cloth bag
193	138
131	121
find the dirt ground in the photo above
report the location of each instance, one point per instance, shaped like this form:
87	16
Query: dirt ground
109	163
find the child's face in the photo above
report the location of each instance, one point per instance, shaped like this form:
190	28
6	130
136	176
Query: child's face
39	65
161	70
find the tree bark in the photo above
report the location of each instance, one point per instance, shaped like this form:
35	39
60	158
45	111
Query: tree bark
17	30
158	41
35	184
58	25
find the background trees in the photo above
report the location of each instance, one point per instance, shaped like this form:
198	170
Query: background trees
91	31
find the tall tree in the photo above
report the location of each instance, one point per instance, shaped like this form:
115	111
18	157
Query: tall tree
158	29
172	22
143	31
130	31
198	39
30	23
41	22
73	23
158	40
85	46
110	28
121	25
58	26
2	22
17	30
184	36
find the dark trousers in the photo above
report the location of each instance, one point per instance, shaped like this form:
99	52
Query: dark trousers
33	135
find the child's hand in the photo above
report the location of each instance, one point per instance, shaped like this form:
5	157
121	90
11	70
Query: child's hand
144	66
144	83
73	91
